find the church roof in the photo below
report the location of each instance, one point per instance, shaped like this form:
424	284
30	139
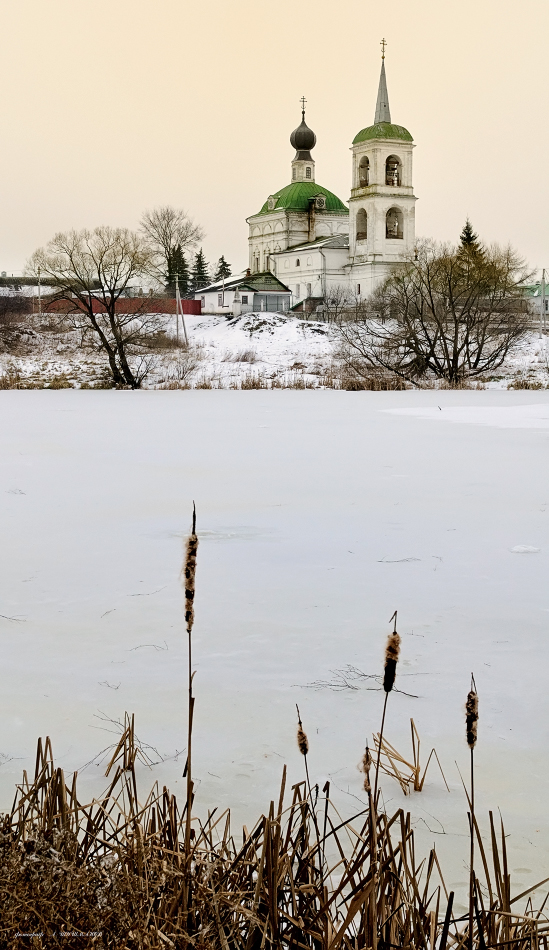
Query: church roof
383	130
296	197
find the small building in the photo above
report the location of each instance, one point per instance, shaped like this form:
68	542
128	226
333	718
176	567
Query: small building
245	293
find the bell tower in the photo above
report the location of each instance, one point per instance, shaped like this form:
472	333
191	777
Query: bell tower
381	206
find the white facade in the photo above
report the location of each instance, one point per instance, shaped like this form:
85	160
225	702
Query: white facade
311	271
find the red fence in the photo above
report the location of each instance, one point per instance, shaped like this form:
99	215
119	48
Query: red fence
131	305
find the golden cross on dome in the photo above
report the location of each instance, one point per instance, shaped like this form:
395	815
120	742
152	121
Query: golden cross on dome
383	44
303	101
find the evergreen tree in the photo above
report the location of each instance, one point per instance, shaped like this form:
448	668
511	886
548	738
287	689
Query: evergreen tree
177	266
200	275
469	240
223	269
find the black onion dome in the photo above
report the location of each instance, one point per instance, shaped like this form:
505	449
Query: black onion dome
303	138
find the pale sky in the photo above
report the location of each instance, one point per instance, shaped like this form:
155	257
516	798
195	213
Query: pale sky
110	108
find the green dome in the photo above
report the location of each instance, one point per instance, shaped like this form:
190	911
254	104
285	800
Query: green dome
296	197
383	130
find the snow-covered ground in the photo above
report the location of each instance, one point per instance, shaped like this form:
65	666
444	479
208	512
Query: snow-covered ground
319	514
271	350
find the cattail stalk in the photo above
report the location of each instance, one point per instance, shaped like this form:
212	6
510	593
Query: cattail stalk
303	746
392	651
471	720
188	577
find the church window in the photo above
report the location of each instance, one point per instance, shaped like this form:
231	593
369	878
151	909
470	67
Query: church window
298	262
286	263
297	290
394	224
244	298
294	173
307	172
364	172
361	225
393	171
220	300
358	290
309	290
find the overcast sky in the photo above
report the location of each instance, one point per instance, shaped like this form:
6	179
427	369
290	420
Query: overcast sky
109	107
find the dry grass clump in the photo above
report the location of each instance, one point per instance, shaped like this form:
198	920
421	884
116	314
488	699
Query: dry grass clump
59	382
241	356
117	873
373	383
522	382
250	381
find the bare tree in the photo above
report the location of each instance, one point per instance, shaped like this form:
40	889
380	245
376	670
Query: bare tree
92	273
450	314
169	233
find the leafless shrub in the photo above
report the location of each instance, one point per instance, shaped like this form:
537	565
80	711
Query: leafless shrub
448	314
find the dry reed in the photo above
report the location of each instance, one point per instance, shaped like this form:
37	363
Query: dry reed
130	874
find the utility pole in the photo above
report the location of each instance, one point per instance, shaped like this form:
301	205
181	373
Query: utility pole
178	311
543	297
40	294
542	305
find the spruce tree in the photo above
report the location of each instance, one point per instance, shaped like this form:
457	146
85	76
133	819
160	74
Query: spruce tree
469	240
223	270
177	266
200	275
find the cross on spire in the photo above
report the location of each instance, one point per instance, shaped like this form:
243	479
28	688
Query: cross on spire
383	44
303	101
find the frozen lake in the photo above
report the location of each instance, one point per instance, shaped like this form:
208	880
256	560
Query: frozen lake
319	514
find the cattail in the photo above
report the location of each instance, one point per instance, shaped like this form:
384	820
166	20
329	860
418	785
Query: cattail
189	572
392	651
471	718
302	741
365	767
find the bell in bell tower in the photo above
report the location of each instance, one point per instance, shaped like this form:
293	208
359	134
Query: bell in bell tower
303	140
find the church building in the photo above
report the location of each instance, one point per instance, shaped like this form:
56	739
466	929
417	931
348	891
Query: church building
306	238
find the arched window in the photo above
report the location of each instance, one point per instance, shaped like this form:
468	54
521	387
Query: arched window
364	172
393	170
298	262
361	225
393	224
307	172
294	173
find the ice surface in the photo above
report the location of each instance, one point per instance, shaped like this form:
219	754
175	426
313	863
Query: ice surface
319	514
